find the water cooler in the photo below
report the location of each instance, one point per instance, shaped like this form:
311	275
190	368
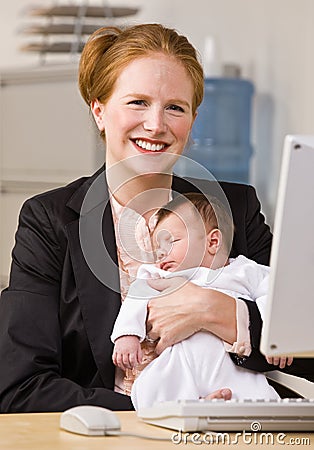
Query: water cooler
221	138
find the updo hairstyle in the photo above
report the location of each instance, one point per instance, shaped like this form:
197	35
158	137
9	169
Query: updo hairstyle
110	49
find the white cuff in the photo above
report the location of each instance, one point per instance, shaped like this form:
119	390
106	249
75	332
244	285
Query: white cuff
126	332
242	346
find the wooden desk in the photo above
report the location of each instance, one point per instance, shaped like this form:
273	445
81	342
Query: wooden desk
42	432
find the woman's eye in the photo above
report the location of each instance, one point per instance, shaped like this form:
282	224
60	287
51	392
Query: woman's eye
136	102
176	108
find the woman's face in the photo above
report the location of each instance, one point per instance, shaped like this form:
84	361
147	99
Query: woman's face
149	114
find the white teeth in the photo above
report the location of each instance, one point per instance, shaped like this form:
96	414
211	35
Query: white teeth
148	146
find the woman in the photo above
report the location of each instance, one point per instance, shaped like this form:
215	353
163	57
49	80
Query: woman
143	86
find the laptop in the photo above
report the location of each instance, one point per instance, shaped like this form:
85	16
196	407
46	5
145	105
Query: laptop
288	325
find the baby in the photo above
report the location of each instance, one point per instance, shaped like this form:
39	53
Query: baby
191	243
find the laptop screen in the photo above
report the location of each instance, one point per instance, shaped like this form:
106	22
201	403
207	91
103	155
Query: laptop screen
289	322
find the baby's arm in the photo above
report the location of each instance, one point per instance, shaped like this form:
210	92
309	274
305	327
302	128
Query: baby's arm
131	320
130	326
127	352
281	361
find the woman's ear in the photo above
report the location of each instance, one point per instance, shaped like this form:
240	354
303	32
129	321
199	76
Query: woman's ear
214	241
97	109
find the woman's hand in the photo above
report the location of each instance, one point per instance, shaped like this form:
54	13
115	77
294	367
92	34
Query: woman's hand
184	309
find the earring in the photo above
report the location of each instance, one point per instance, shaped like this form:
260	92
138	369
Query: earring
100	123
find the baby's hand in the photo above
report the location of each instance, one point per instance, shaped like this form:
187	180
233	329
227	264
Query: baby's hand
127	352
281	361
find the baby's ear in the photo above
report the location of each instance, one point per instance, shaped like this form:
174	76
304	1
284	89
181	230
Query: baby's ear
214	241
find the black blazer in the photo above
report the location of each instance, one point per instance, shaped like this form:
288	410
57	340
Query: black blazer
57	314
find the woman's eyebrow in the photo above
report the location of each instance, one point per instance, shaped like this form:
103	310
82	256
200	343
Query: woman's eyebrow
137	95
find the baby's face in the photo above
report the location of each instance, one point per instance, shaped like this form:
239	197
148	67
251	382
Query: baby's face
179	242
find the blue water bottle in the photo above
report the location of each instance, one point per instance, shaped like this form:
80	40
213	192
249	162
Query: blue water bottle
221	140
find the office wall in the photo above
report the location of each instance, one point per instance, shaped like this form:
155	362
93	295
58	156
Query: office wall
272	41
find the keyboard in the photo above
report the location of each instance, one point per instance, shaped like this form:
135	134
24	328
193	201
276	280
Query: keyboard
295	414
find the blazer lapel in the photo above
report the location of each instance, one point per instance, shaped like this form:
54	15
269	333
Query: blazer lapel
94	259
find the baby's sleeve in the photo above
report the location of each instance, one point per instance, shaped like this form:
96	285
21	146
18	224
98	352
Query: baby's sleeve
131	319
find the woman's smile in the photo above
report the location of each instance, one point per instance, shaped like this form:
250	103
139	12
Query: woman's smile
147	145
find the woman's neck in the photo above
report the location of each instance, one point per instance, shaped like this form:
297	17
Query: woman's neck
143	193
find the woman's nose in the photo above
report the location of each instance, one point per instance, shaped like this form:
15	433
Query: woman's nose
155	121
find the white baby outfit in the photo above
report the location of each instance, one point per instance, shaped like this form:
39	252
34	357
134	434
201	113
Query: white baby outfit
199	365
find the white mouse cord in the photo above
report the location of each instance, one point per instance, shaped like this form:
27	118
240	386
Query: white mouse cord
152	438
142	436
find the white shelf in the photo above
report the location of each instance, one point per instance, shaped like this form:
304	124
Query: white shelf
40	74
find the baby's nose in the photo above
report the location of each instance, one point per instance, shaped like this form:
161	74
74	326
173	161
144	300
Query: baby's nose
161	253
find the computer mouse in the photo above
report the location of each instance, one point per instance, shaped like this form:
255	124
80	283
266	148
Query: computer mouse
89	420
